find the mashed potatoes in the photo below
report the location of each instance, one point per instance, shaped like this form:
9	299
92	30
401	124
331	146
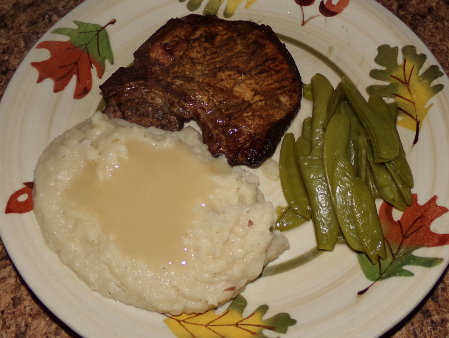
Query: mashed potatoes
106	205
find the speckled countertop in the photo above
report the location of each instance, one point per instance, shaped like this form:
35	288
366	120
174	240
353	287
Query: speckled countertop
22	22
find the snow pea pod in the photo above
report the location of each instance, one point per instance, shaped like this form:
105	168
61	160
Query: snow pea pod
312	167
381	108
367	221
403	168
389	112
356	127
404	189
394	112
363	168
307	128
401	161
323	214
288	219
340	174
356	131
322	91
291	179
384	137
307	91
336	140
343	176
385	183
334	102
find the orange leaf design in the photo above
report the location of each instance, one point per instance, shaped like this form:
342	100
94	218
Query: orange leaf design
403	237
65	62
88	47
412	230
20	206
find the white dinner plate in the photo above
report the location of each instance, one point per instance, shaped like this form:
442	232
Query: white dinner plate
321	293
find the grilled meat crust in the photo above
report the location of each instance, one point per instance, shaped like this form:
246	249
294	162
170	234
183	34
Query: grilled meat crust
234	78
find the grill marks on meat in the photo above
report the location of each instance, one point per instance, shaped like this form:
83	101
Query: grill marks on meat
235	78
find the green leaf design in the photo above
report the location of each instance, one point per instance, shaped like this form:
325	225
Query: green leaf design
230	323
92	38
403	236
408	84
394	266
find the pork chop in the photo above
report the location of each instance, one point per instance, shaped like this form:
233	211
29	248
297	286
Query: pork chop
234	78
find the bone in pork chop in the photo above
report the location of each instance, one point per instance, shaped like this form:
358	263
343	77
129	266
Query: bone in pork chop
234	78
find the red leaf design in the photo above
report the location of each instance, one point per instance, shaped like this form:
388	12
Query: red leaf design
66	61
17	205
327	8
305	2
412	230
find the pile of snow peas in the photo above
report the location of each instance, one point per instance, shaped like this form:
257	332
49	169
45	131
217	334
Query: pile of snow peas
349	154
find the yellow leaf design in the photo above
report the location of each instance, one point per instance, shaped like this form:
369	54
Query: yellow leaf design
409	86
212	6
230	323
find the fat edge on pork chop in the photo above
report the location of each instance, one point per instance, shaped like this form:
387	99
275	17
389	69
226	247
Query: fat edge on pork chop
234	78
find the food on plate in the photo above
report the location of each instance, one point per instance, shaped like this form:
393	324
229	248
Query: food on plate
149	218
234	78
348	154
293	188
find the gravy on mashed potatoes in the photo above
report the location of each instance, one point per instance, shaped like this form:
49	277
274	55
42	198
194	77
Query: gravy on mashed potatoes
149	218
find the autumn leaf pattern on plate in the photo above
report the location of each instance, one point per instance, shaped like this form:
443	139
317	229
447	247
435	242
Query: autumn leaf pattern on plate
21	201
325	7
412	231
87	48
409	85
231	323
212	6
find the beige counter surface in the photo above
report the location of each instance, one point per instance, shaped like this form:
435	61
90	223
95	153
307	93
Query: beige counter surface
22	22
